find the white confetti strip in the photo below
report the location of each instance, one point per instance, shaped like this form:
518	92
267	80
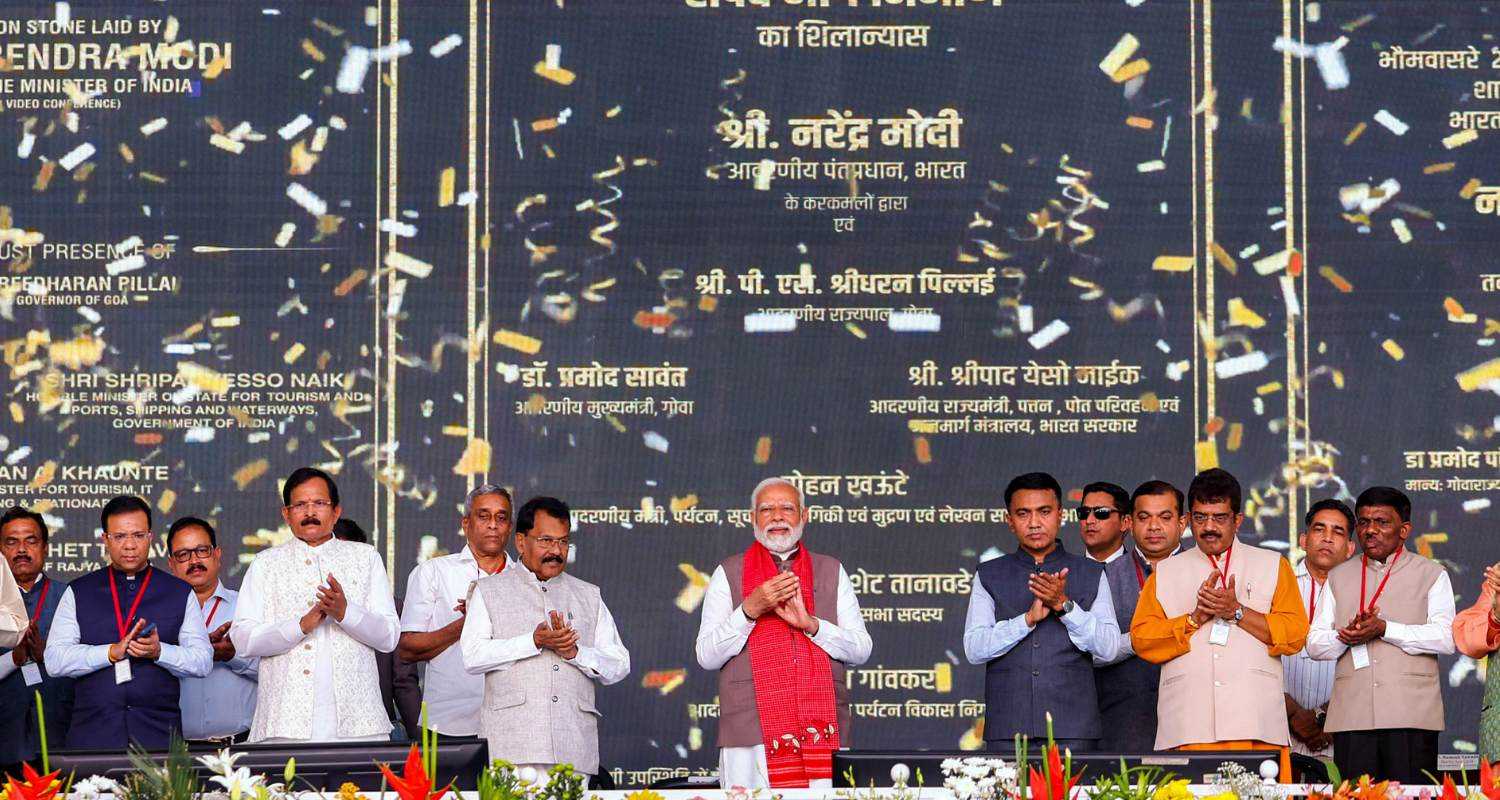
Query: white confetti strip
1151	166
284	236
223	142
1161	344
1289	296
1025	318
1274	263
1390	122
305	198
763	322
198	435
1476	505
398	227
446	45
1331	65
89	314
76	156
23	150
154	126
915	322
1054	330
130	243
64	14
656	441
1241	365
127	264
404	263
178	349
1403	233
554	57
352	70
290	130
18	455
392	51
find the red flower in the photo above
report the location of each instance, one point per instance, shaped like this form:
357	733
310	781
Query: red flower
1488	783
35	787
413	785
1450	792
1057	785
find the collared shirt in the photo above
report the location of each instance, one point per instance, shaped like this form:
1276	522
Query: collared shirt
222	703
13	619
606	661
1433	637
375	626
433	591
1092	630
67	657
1308	681
723	632
1119	551
29	601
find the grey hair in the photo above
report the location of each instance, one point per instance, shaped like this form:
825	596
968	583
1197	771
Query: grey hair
776	481
480	491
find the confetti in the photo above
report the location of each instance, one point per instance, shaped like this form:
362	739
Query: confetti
76	156
1131	71
923	449
305	198
1354	133
290	130
294	352
1479	376
1476	505
1143	123
655	441
517	341
1241	365
246	475
1241	314
559	76
392	51
1222	256
1391	123
1051	332
475	459
1236	437
284	236
1393	349
1151	166
1119	54
1289	296
692	594
398	228
763	322
1272	264
446	180
1403	233
914	322
223	142
445	45
1172	264
1460	139
1468	189
126	264
352	70
1206	454
404	263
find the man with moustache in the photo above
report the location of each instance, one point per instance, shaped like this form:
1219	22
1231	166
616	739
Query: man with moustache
541	638
1386	617
23	542
781	624
128	634
1037	619
217	708
1327	539
1217	617
437	595
1476	633
1127	685
316	610
1104	521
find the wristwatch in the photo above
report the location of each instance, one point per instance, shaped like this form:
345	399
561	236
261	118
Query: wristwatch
1321	715
1239	614
1068	607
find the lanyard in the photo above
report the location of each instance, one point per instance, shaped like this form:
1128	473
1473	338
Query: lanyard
1312	596
120	622
1140	575
1363	569
1223	573
210	622
41	599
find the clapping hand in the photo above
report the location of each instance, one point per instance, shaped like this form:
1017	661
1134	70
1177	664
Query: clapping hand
331	599
1366	626
556	636
1050	588
219	639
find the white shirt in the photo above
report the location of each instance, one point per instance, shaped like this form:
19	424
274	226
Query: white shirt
722	634
67	657
1433	637
13	617
606	661
1308	681
1119	551
453	695
376	627
1094	631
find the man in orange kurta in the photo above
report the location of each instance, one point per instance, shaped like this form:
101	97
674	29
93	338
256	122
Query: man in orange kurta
1476	632
1218	618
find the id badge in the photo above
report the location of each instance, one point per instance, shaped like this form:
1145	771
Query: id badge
1361	656
1219	634
122	671
31	673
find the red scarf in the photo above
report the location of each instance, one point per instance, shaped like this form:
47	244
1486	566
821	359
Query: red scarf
793	683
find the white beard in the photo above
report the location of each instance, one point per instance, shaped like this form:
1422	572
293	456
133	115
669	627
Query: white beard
781	544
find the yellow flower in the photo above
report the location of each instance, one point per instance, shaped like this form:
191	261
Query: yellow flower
644	794
1176	790
1222	796
349	791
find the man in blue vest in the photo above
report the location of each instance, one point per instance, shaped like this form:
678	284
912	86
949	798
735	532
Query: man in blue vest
127	633
23	542
1037	619
1128	686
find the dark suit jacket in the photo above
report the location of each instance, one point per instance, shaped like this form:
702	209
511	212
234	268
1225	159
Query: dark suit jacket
400	689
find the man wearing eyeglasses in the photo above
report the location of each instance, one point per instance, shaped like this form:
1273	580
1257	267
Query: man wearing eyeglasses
128	633
1104	521
1217	618
437	595
23	670
315	610
541	638
1386	617
217	708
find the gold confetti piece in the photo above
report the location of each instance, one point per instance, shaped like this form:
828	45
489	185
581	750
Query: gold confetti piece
1134	69
1392	349
1427	540
294	352
1338	281
859	333
591	292
152	176
923	449
17	413
691	594
44	176
300	160
166	501
1468	190
475	460
558	75
402	262
544	124
1236	436
1456	312
614	422
347	285
1225	260
1172	264
1460	139
973	738
312	51
1354	133
683	503
43	475
1119	54
1143	123
1268	388
1206	455
1213	426
446	181
215	68
246	475
518	341
942	674
1478	376
1150	402
223	142
206	380
455	430
763	450
1433	169
707	303
77	353
1241	314
126	153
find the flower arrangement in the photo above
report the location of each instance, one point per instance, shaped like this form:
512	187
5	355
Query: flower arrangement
979	778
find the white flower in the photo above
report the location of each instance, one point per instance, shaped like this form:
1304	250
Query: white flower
238	782
222	762
950	764
91	788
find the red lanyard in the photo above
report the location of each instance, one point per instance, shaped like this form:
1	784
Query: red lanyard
1312	596
212	611
1364	566
120	622
1140	576
1223	573
41	600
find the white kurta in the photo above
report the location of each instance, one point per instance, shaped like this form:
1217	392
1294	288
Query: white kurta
13	617
725	630
374	624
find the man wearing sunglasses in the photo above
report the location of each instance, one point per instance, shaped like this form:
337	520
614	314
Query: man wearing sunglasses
1104	521
541	638
316	610
217	708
